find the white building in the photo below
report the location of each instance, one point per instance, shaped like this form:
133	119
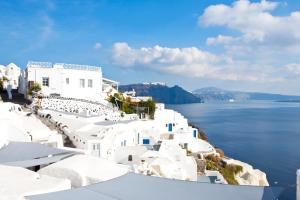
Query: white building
17	125
66	80
84	170
2	71
126	141
102	135
12	73
109	87
16	183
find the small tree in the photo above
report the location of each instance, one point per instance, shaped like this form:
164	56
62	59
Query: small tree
2	80
151	106
36	87
1	84
129	107
117	99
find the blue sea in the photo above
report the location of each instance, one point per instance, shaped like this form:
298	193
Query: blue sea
264	134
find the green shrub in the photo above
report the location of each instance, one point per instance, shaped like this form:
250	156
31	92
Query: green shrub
36	87
229	176
149	107
2	81
210	165
129	107
117	100
228	171
235	168
1	84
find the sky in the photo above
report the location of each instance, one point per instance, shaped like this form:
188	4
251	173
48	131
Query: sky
237	45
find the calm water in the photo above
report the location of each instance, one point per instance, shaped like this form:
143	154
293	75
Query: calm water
264	134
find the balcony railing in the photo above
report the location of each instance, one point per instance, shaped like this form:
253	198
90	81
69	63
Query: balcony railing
34	64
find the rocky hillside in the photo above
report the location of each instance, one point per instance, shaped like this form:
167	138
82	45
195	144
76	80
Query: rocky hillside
163	93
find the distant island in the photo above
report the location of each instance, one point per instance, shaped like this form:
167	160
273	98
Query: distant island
162	93
290	101
177	95
217	94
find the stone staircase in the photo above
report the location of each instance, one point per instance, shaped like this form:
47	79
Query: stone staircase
17	98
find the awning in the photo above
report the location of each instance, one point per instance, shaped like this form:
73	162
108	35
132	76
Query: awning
28	154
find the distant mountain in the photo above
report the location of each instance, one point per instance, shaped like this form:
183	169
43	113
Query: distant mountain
217	94
162	93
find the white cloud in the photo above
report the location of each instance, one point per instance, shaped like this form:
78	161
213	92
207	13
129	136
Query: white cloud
47	27
161	55
293	69
255	22
191	61
220	39
262	43
97	45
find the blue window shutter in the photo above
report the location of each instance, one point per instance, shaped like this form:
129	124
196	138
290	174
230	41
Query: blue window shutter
146	141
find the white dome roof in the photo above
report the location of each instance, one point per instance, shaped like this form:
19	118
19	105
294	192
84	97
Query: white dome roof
12	65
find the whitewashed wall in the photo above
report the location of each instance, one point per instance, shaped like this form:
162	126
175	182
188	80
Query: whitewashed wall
57	82
164	117
12	73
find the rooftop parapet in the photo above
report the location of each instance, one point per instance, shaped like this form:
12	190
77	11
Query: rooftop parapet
78	67
34	64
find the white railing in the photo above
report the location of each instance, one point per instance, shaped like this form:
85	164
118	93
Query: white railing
36	64
79	67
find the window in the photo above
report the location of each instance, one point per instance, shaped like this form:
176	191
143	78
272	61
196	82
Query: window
82	83
45	81
96	146
67	81
90	83
185	145
146	141
170	127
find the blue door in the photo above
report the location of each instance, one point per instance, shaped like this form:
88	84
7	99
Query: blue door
170	127
195	134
